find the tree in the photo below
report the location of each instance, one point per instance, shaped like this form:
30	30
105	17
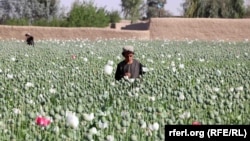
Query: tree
191	8
131	9
214	8
28	9
114	16
156	8
85	14
51	7
237	9
247	13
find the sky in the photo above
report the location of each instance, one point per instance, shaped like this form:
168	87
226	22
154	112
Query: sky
172	5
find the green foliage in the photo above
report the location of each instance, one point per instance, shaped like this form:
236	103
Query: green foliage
87	15
114	17
247	13
152	12
156	8
131	9
21	22
214	8
83	14
186	81
237	9
28	9
55	22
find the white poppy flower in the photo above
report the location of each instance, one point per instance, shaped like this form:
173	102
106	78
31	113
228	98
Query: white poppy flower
201	60
85	59
174	69
10	76
144	125
137	89
110	138
72	120
131	80
124	113
29	84
154	127
56	129
89	117
144	69
151	98
216	89
52	90
173	64
17	111
198	81
126	77
13	59
185	115
231	89
108	69
118	57
124	130
240	88
133	137
93	131
112	83
103	125
30	101
213	97
150	60
218	72
181	96
181	66
110	62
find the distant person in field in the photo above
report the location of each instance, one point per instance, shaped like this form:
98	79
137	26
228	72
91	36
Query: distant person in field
29	39
129	67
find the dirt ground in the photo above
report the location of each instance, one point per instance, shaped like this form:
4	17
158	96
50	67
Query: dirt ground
157	28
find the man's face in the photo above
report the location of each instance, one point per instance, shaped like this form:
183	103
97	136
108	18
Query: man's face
129	56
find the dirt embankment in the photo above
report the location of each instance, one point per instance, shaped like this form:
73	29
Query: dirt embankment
157	28
200	28
41	33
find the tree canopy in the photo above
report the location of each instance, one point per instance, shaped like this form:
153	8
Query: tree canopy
214	8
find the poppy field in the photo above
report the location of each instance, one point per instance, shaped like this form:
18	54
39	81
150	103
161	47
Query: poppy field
66	90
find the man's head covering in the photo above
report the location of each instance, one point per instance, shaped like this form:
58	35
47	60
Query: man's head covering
27	34
128	49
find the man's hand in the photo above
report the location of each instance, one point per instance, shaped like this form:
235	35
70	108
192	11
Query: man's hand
128	74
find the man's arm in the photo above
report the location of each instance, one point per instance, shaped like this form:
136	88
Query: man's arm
118	73
32	41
